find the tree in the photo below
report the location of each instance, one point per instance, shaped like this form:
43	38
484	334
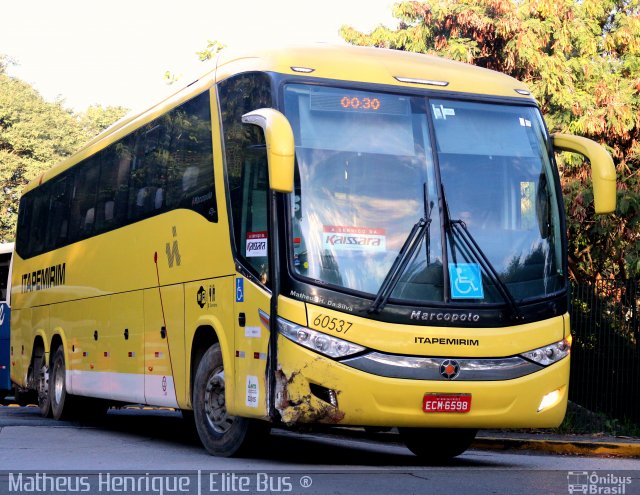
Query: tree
97	118
35	134
581	59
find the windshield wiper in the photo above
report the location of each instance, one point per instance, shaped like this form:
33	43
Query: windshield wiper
473	248
405	255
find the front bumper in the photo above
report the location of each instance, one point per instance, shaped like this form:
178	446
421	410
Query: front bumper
316	389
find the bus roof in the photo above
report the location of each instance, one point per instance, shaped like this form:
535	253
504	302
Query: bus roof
325	61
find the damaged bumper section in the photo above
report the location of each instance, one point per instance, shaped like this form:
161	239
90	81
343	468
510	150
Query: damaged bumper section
364	388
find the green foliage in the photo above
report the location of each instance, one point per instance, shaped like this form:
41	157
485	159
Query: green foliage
581	59
211	50
98	118
35	134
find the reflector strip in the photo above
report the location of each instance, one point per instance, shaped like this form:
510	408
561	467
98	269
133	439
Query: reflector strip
85	354
239	354
132	354
107	354
259	355
158	354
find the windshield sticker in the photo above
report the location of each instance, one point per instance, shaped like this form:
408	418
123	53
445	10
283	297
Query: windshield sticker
466	281
339	238
256	244
525	122
442	112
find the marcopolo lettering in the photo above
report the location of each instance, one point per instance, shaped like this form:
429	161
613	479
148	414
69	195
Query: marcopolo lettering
447	317
201	199
46	278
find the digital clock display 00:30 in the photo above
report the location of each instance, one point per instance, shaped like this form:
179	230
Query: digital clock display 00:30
360	103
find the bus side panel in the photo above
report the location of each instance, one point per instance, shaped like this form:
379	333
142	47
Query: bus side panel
164	346
209	307
19	349
5	319
252	345
126	332
40	328
86	325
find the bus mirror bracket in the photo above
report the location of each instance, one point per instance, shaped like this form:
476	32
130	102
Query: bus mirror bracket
280	146
603	172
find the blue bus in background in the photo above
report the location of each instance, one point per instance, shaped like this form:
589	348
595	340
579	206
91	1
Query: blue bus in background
6	254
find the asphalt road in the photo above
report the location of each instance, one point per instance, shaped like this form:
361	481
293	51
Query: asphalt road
154	451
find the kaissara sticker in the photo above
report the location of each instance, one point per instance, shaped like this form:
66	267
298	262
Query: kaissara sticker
340	238
256	244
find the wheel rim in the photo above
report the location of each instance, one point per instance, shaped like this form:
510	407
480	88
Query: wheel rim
214	403
43	386
58	383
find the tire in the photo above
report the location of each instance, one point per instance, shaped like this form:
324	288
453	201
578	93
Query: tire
41	372
437	444
221	434
57	386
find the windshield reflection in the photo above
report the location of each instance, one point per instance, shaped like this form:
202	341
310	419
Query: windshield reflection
360	188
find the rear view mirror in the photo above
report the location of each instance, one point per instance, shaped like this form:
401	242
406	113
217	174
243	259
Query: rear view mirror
280	146
603	173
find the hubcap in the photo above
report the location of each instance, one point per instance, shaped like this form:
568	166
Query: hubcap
214	403
58	384
43	386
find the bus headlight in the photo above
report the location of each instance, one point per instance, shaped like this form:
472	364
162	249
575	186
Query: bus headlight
549	354
318	341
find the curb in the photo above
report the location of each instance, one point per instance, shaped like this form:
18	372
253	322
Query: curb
615	449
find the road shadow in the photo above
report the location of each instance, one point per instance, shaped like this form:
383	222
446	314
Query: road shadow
327	447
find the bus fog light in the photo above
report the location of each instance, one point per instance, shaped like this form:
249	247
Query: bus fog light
549	400
318	341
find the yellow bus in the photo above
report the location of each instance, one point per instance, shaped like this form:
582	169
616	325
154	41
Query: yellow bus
304	236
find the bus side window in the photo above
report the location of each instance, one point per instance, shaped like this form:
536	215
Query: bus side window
58	225
149	171
83	200
190	171
113	192
39	217
173	163
246	168
5	260
251	204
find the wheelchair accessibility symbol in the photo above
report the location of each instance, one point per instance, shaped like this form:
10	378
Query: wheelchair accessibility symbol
466	281
239	290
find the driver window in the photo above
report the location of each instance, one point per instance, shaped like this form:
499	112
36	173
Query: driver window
247	170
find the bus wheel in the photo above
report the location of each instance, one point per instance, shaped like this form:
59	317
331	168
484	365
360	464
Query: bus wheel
437	444
42	386
221	434
57	385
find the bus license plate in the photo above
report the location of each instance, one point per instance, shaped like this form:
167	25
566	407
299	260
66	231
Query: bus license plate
446	403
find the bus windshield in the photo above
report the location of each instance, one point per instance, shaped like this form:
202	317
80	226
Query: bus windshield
371	165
